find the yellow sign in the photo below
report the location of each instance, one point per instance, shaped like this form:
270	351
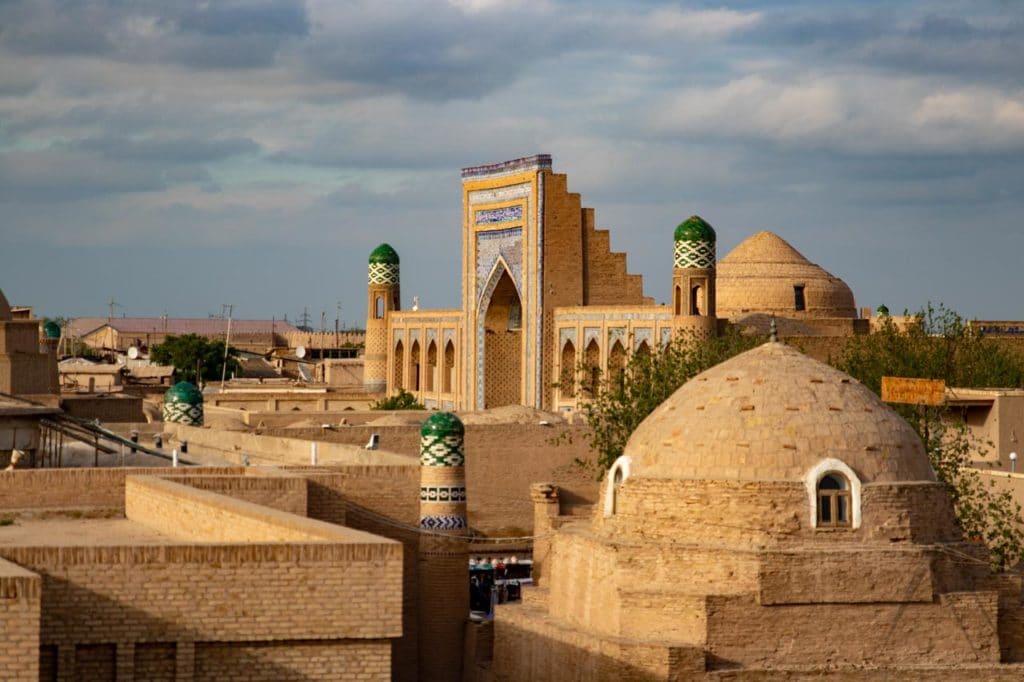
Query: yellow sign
913	391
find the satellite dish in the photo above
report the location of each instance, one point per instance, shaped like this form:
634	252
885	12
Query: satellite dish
300	352
133	353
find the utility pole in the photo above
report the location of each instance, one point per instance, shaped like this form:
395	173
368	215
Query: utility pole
112	303
227	342
337	321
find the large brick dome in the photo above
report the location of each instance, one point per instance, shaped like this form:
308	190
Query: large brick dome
761	276
771	414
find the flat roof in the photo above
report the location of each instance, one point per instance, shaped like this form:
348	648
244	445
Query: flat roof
64	532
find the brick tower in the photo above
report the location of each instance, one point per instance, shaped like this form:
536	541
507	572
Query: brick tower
383	296
693	278
443	568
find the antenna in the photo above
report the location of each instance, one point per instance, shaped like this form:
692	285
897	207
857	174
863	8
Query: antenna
112	304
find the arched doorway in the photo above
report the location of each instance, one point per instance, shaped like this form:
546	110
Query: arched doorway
431	370
449	368
616	366
567	374
414	367
503	344
397	375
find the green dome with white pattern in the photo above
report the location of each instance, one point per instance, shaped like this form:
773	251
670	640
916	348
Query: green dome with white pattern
383	267
883	310
183	404
694	244
441	440
51	329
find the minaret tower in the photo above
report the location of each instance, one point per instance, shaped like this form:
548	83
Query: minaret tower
693	278
443	569
382	297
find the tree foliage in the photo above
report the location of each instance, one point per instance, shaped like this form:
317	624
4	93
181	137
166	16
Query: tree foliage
938	344
403	400
616	404
190	353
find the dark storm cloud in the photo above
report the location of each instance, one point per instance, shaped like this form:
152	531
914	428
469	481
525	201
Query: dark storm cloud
221	34
56	176
167	149
981	46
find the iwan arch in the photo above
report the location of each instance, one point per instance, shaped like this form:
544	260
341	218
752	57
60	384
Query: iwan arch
542	292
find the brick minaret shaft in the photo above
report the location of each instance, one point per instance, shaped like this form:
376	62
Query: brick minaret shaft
383	296
443	568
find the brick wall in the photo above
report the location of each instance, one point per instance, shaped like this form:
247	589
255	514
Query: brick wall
98	490
292	661
19	622
502	461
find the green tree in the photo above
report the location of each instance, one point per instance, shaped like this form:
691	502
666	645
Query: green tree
191	353
617	404
403	400
938	344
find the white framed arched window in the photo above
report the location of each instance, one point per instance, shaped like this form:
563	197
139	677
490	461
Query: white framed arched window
617	475
833	494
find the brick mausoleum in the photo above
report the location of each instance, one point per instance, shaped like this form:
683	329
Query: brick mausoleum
771	520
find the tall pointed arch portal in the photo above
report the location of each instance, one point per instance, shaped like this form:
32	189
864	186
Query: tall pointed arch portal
503	340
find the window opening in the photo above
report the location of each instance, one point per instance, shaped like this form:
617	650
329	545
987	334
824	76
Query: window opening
378	308
833	501
798	297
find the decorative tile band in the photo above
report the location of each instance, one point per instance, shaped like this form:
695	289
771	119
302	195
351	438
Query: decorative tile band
183	413
382	273
499	215
447	451
441	493
535	162
694	254
443	522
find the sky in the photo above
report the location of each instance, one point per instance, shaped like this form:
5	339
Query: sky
174	157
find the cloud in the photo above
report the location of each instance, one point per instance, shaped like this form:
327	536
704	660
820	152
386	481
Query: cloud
51	175
850	113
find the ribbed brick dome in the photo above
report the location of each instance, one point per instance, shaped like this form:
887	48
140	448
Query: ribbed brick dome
771	414
760	276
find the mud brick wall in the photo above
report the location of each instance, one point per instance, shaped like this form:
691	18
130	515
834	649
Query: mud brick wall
391	491
80	489
285	661
958	628
186	513
284	493
20	592
502	460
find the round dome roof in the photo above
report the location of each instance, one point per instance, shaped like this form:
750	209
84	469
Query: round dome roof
763	274
183	392
442	424
883	309
384	254
772	413
694	229
51	329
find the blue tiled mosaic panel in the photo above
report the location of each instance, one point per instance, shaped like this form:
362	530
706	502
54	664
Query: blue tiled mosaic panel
490	216
443	522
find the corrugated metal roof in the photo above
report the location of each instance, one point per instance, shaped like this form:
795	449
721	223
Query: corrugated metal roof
80	326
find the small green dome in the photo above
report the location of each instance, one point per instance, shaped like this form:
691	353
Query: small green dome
883	310
695	229
384	254
442	424
183	392
51	329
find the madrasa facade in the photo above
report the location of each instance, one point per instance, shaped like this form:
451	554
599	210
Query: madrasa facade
547	306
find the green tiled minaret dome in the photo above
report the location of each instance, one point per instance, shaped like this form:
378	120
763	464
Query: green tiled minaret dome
183	404
51	329
441	441
383	268
883	309
694	244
